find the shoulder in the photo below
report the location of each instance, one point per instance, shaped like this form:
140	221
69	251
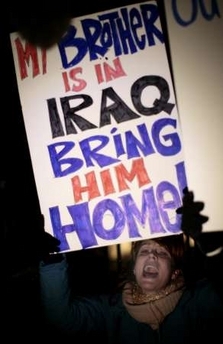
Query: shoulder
203	294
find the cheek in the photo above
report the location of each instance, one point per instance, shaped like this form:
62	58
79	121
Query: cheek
166	268
138	266
135	268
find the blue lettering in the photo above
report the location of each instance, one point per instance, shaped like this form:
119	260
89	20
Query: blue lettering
92	153
118	218
68	41
214	11
162	190
58	164
133	143
117	145
175	145
156	211
128	30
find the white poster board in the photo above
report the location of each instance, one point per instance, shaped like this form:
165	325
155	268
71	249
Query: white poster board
195	30
103	129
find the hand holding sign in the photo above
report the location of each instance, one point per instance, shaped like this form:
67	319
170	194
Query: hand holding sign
192	219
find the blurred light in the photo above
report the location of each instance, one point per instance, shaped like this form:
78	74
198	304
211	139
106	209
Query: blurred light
112	252
125	250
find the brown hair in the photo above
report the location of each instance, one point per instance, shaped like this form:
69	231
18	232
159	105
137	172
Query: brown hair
173	243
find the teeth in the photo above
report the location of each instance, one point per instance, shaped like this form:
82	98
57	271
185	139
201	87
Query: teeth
150	268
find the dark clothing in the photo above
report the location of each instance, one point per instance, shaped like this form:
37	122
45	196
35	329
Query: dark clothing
198	316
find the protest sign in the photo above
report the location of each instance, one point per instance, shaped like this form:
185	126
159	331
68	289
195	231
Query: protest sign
103	129
196	43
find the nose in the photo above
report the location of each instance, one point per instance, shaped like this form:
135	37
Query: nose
152	253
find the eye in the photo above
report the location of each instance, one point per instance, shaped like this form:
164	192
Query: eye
144	252
162	253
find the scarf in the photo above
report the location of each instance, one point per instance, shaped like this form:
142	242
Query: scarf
152	308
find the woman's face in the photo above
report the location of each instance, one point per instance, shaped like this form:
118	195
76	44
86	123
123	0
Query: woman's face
153	267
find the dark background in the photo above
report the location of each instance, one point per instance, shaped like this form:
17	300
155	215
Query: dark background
42	23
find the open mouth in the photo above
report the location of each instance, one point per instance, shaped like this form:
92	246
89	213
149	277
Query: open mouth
150	271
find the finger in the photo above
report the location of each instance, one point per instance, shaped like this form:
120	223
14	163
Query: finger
194	223
51	239
185	190
179	210
204	218
188	198
195	207
190	208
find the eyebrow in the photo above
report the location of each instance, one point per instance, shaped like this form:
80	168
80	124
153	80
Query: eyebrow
155	246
